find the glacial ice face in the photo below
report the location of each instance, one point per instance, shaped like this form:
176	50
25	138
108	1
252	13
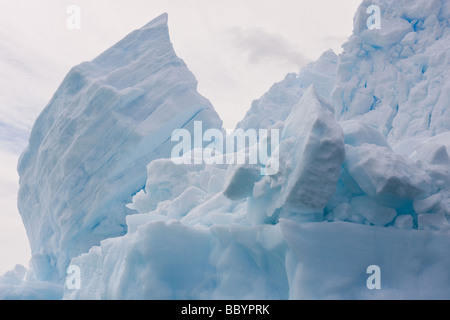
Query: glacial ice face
89	148
397	78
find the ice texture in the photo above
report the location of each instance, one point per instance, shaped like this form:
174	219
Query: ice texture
330	261
363	177
311	156
396	78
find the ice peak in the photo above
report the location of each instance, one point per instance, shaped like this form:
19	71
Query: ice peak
157	22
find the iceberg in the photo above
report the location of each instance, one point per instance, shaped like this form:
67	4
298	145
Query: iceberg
358	208
89	148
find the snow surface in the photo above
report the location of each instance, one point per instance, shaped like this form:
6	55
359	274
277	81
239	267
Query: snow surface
363	177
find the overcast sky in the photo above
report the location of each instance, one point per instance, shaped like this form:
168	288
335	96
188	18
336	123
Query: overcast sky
236	48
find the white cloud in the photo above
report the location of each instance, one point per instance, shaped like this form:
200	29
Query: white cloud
14	246
261	46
